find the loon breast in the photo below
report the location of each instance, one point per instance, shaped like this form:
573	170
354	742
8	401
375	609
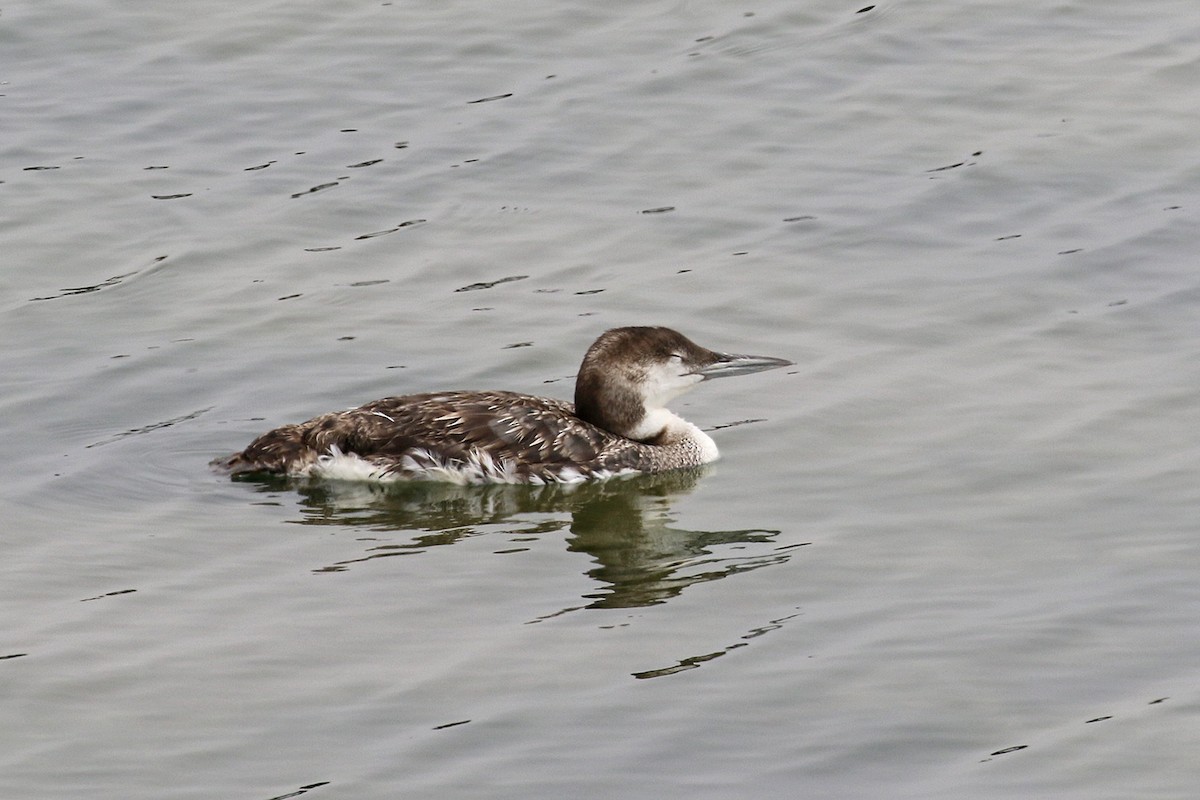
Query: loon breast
618	424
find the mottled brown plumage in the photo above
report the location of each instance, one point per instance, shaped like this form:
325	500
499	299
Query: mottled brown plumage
617	424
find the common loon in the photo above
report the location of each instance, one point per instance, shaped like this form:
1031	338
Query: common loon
618	424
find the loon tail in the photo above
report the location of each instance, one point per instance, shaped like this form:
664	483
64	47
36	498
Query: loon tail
281	451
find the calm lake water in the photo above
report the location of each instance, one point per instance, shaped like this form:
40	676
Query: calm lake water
954	552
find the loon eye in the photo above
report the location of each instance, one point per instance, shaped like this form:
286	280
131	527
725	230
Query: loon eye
676	358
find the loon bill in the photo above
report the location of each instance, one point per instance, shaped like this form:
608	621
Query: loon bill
618	424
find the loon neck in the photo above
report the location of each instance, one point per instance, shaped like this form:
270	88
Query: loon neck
615	408
621	411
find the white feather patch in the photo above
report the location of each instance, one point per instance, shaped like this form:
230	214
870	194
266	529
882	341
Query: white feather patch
423	464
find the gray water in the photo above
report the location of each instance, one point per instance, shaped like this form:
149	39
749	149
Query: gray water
951	553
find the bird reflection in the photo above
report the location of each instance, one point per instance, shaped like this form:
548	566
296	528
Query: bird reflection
625	525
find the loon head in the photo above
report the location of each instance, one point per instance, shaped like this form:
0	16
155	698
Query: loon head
628	376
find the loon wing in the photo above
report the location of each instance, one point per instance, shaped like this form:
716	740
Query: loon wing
521	430
444	430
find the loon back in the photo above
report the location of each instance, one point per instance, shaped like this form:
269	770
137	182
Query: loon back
619	423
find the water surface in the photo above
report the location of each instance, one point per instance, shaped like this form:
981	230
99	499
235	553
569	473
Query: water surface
952	553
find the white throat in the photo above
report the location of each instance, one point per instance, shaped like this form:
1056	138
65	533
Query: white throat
658	421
